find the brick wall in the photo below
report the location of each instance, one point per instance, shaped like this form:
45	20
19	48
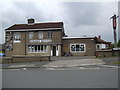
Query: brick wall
90	46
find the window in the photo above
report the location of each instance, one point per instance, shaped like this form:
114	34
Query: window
72	47
98	46
40	35
77	47
50	34
37	48
16	36
31	35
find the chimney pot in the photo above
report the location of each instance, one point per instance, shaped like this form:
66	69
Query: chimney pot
31	21
99	36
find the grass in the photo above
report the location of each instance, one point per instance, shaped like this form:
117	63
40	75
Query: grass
116	63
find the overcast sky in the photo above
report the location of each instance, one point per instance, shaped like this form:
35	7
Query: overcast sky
80	18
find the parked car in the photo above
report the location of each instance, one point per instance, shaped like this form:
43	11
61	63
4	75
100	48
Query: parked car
2	53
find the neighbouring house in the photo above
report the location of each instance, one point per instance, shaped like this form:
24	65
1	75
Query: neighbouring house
48	39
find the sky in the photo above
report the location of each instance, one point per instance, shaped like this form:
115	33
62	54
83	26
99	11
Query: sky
79	17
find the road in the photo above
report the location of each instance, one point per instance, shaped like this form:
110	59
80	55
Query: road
46	78
96	75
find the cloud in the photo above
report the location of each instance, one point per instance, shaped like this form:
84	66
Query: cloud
80	18
90	18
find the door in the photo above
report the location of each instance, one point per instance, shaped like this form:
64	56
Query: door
54	50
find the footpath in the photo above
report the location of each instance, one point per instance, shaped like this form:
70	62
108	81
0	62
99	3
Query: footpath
54	64
73	63
61	62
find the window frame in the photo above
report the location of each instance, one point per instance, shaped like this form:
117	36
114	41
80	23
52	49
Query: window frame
32	49
31	35
79	47
40	36
16	39
50	34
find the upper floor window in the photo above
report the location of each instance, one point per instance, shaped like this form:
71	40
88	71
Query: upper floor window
77	47
50	34
16	36
40	35
31	35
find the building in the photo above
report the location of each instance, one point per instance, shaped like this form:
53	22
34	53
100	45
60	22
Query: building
48	39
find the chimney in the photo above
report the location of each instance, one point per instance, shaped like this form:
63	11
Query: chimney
31	21
99	37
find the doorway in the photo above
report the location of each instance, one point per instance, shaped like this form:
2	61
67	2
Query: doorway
54	51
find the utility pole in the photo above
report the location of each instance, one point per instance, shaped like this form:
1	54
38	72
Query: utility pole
114	18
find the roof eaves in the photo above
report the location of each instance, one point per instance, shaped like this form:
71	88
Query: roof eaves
44	29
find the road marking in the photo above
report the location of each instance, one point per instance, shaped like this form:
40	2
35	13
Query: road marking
14	69
109	66
22	65
71	68
89	68
52	69
24	68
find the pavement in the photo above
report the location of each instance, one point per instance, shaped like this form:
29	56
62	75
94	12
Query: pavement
64	62
73	63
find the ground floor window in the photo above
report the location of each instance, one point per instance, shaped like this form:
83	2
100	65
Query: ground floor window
77	47
37	48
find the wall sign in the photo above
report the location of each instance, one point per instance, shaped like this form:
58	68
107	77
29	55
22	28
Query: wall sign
45	40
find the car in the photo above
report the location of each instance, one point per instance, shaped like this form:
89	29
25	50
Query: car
2	53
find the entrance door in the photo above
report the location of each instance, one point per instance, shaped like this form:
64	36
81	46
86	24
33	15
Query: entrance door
54	50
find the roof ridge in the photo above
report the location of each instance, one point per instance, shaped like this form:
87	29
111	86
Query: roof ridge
42	22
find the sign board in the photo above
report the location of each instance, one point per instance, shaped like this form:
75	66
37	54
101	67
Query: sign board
45	40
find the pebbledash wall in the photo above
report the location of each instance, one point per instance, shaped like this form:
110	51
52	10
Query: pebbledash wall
48	39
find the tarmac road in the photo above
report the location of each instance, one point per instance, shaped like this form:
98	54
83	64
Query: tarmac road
80	78
85	76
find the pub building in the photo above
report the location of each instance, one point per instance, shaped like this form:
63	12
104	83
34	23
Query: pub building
48	39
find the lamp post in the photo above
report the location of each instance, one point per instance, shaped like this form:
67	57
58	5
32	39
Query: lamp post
114	18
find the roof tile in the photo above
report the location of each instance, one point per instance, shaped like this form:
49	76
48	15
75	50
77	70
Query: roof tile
36	26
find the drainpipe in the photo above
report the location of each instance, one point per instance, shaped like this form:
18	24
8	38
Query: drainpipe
25	43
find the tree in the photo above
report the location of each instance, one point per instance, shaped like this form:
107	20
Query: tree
112	45
118	44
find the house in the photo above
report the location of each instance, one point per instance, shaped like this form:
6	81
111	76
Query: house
48	39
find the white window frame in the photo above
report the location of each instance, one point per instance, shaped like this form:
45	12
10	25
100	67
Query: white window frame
50	34
31	35
16	37
31	49
79	49
40	35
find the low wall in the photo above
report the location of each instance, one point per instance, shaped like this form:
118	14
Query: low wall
15	59
107	53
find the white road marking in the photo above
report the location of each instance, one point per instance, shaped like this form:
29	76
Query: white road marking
89	68
22	65
14	69
24	68
71	68
109	66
